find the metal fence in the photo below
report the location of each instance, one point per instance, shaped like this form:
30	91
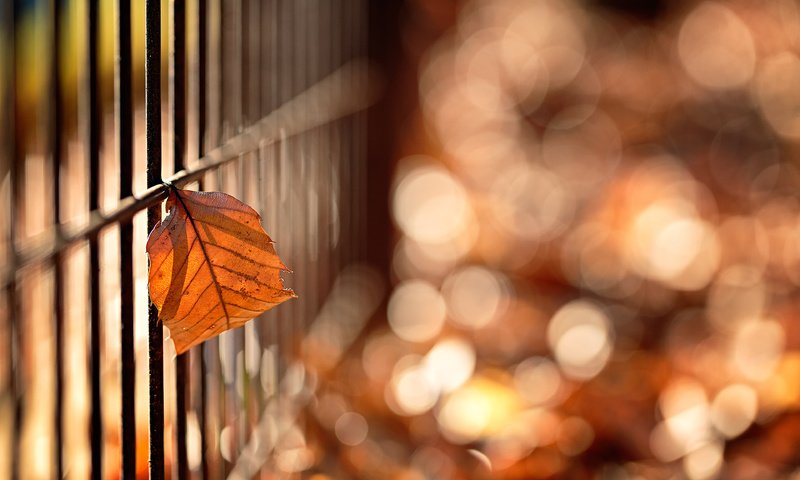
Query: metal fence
263	100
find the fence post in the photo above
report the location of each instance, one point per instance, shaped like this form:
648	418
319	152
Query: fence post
55	129
124	111
152	102
93	148
177	101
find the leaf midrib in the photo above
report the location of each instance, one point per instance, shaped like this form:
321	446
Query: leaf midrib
205	255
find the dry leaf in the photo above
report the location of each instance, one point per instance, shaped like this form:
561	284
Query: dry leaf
212	266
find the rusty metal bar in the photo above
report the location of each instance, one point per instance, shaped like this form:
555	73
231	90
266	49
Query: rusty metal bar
202	71
361	135
14	159
55	129
92	96
152	105
124	125
177	100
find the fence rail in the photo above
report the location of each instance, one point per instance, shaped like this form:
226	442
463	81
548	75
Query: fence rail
288	121
263	101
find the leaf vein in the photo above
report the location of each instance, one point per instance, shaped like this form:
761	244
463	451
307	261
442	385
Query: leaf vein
205	254
196	300
243	257
251	296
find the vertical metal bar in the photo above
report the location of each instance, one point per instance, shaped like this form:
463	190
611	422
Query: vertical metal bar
352	161
272	95
93	147
182	404
354	131
215	410
178	108
324	155
222	76
178	81
55	128
338	178
240	391
152	102
253	19
360	135
202	61
347	142
245	50
312	194
345	177
284	71
268	35
124	112
15	157
299	182
224	79
253	78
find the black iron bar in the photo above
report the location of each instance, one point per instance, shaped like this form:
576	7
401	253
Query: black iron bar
357	146
14	159
240	52
202	62
177	100
178	81
155	353
96	404
224	79
345	165
285	75
300	192
124	124
315	281
267	72
202	71
243	53
255	30
227	83
55	127
354	146
362	126
334	49
324	157
182	403
251	18
217	410
92	97
349	30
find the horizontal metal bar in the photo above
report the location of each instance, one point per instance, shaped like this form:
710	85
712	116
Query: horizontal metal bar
330	99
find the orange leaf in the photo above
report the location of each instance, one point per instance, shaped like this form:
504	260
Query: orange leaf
212	266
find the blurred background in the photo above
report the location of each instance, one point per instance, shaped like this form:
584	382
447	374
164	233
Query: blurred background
594	261
574	253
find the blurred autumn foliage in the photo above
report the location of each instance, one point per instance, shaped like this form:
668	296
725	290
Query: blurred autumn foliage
595	266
